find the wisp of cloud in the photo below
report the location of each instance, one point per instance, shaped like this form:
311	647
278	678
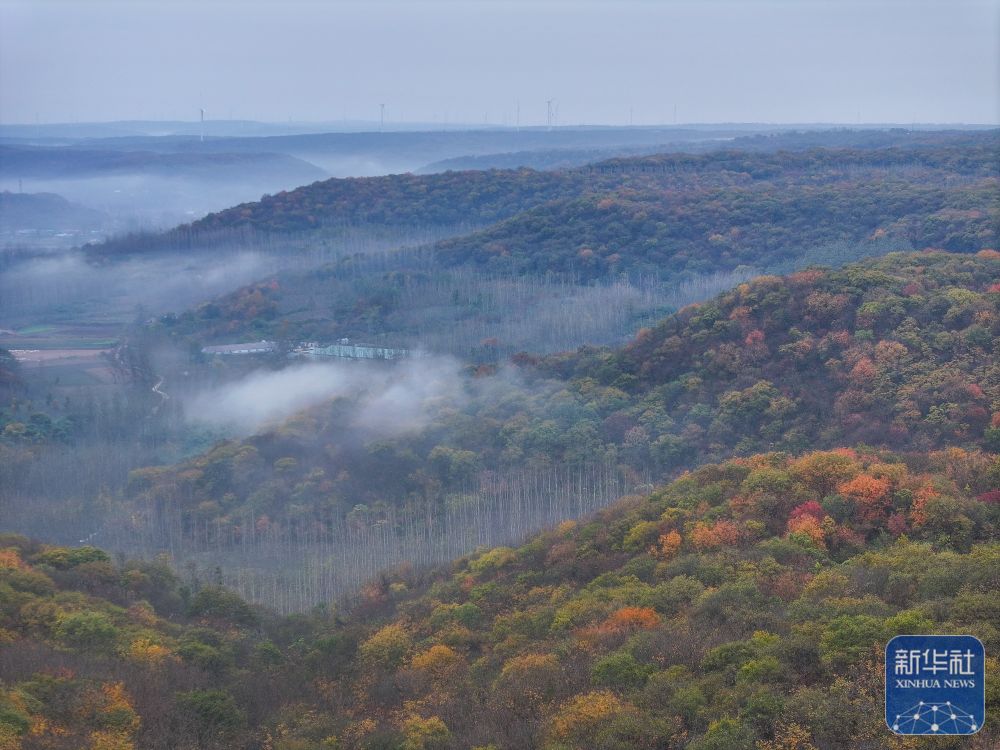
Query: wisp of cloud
391	398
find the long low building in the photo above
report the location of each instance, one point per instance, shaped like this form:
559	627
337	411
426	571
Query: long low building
257	347
357	351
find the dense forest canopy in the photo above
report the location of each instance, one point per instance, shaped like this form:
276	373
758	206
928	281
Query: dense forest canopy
780	362
491	194
499	375
742	606
485	197
627	239
775	449
897	352
673	234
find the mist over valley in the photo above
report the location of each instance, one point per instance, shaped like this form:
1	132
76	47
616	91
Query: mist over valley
495	376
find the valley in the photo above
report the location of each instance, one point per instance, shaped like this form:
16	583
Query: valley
497	376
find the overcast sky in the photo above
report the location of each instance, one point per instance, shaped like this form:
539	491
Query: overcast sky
793	61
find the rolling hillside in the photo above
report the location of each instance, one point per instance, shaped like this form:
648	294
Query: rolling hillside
70	162
824	444
897	353
677	234
477	198
45	211
626	235
744	606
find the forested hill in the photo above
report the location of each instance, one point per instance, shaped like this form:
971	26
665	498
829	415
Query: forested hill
46	211
675	234
898	352
478	198
893	351
745	606
562	158
405	200
673	215
746	603
854	416
651	226
64	162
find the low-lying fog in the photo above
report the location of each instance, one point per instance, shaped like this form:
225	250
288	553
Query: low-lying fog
389	400
70	288
155	197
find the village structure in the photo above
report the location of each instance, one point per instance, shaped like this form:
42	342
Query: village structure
258	347
343	349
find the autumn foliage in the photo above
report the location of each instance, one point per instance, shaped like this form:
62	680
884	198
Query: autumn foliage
709	611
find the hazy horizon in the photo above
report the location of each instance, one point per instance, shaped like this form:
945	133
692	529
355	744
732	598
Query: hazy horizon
499	63
351	126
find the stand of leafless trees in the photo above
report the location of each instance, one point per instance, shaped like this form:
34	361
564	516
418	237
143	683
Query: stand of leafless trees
294	566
